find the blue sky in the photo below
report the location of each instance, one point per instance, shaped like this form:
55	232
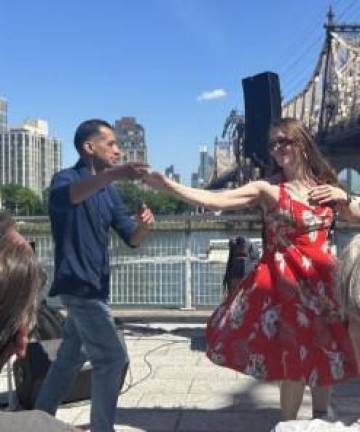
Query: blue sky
70	60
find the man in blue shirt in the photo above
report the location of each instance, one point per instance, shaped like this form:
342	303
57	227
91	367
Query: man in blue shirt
83	206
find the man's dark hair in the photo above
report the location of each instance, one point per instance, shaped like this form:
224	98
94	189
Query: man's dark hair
86	130
6	222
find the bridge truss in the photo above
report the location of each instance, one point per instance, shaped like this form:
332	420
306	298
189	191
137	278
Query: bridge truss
330	103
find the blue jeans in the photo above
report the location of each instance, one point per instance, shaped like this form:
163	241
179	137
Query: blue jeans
89	333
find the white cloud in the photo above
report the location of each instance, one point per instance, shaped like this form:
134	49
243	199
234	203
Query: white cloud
211	95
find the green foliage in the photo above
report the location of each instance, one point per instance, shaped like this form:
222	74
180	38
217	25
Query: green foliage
20	200
131	194
161	203
45	200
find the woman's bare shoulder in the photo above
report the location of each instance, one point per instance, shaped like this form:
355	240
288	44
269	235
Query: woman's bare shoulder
268	184
270	192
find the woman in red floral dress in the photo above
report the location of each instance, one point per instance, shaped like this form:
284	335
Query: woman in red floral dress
282	321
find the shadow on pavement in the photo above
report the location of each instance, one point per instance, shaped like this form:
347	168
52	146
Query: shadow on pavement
243	413
195	334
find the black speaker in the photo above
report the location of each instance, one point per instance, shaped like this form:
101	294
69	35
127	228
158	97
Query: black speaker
30	372
262	106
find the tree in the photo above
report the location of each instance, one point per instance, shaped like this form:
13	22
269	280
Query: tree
131	194
45	200
161	203
20	200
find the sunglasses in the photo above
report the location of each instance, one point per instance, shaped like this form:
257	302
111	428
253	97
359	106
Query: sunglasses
279	143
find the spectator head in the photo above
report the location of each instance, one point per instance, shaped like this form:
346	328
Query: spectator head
8	229
349	278
7	223
20	280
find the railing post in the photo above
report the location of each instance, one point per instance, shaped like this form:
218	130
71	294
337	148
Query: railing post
188	276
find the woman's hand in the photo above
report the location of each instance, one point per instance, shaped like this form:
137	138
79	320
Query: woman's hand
326	194
155	179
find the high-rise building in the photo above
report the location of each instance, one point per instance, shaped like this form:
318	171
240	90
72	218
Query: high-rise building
131	140
171	174
3	115
224	159
194	180
205	166
29	157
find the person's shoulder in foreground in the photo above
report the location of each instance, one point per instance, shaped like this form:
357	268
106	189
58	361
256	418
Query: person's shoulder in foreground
317	425
21	281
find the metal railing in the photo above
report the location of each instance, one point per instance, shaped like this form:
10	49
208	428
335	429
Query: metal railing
171	269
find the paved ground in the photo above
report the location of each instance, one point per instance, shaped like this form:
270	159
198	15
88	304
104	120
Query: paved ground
172	387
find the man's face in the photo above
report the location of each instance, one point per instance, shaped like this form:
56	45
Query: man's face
104	148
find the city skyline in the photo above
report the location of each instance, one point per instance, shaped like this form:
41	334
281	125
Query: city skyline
29	156
178	70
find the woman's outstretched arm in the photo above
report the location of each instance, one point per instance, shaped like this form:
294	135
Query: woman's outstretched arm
249	195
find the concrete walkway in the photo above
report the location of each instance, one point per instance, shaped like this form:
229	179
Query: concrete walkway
173	387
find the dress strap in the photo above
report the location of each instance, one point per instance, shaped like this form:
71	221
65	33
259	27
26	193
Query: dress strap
284	196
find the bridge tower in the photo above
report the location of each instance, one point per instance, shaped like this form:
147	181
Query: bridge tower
330	102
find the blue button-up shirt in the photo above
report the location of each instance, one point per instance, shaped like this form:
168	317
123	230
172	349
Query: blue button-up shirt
80	233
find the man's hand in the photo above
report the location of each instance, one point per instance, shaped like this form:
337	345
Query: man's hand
130	171
145	218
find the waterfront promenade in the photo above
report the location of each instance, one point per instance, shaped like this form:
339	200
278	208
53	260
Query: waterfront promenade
173	387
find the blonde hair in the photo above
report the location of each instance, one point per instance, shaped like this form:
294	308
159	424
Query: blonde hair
348	286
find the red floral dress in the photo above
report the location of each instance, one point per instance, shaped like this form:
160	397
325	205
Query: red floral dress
282	321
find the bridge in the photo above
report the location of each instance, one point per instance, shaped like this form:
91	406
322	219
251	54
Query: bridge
330	102
329	105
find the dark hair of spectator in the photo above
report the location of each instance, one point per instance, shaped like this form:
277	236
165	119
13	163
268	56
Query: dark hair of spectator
6	222
21	278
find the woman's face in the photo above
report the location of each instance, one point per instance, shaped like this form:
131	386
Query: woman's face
283	149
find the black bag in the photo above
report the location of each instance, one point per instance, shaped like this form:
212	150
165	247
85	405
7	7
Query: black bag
30	372
50	323
243	255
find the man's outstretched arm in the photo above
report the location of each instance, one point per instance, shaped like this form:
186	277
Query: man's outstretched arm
83	189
